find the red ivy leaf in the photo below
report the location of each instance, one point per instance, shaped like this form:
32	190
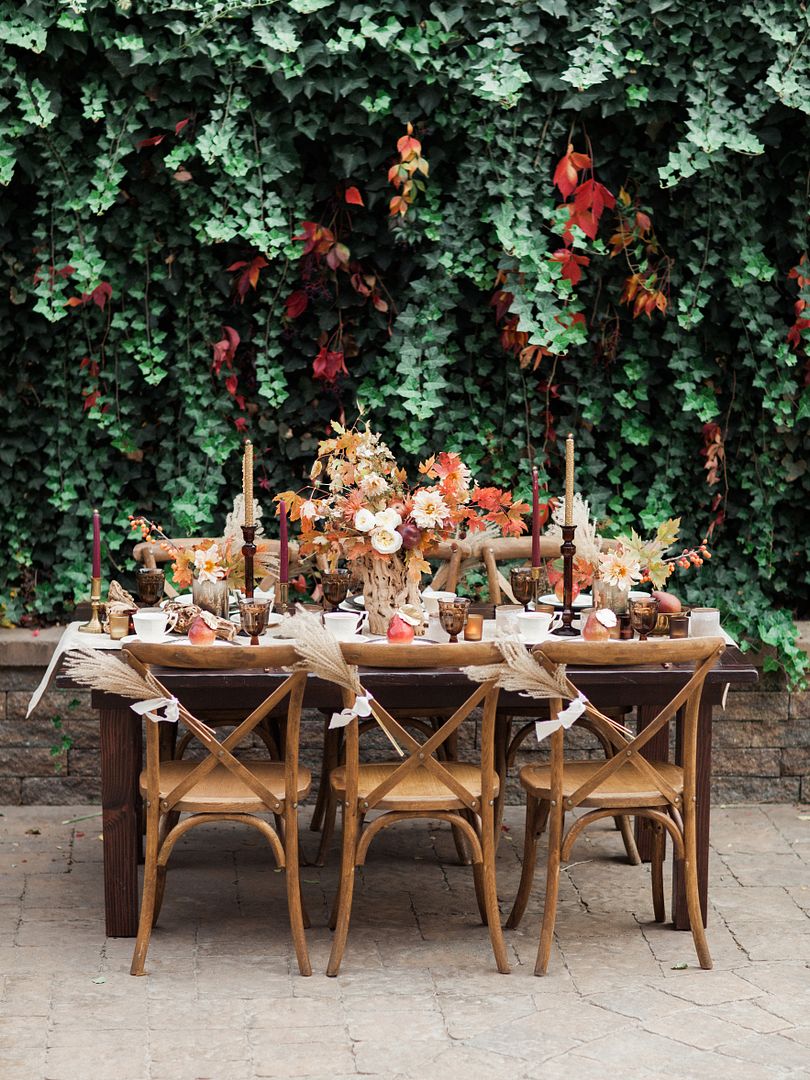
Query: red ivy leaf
225	350
101	294
296	304
182	176
565	175
90	400
231	383
354	197
379	303
178	127
571	264
240	423
327	365
155	140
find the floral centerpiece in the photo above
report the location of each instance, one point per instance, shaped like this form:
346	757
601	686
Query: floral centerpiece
210	567
362	507
628	560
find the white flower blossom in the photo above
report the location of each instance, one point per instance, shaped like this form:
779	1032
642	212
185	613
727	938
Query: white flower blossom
429	509
387	519
364	520
386	541
373	484
206	564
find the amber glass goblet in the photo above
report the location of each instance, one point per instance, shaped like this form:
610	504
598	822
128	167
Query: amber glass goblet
150	584
524	585
643	616
254	614
453	615
335	586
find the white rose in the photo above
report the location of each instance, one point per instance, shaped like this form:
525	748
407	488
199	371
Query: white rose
386	541
364	521
387	519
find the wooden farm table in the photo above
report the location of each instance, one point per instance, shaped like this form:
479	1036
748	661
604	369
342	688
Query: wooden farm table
221	693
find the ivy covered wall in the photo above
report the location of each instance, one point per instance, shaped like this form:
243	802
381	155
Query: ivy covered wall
159	160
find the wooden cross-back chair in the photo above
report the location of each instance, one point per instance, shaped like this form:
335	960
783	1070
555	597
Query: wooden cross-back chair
419	785
625	784
151	555
221	787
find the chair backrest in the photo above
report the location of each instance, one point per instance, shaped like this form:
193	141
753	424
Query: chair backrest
422	658
144	657
699	655
150	555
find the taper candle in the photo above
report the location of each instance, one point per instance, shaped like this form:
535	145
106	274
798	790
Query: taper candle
96	572
535	518
569	480
284	549
247	481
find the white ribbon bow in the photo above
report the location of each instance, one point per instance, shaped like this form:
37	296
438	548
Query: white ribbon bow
564	718
361	707
150	707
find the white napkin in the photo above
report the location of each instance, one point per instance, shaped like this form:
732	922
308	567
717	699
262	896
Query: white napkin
564	718
361	707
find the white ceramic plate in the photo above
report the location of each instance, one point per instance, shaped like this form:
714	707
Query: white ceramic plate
128	640
582	601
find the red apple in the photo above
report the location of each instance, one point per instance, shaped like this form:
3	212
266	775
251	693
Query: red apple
399	631
667	602
411	535
200	633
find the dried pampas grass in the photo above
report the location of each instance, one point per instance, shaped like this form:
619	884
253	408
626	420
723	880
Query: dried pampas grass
521	672
100	670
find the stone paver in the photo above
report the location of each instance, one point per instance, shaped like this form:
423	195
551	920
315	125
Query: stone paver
418	996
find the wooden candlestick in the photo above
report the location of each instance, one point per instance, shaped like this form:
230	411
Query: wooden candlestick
248	551
568	551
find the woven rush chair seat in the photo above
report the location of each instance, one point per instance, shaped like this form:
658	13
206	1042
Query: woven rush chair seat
626	787
222	789
417	787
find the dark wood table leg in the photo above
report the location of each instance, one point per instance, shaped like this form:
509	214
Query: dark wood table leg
121	748
703	793
657	749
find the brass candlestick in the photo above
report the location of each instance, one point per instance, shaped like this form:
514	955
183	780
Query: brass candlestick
283	598
248	551
568	551
94	626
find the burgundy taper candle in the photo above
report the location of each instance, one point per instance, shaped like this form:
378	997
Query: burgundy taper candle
284	550
535	518
96	573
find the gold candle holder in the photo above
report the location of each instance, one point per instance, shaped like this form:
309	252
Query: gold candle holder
94	626
283	601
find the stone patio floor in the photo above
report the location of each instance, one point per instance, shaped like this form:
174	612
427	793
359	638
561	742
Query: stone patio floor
418	995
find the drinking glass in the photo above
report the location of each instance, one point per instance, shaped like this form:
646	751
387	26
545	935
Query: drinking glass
453	615
524	586
643	616
254	614
335	586
150	584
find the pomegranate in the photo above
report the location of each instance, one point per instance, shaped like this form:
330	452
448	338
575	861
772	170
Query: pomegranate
667	602
411	535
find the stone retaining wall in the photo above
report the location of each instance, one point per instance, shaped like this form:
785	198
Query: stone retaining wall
761	741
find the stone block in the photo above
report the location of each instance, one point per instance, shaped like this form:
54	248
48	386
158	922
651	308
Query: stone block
60	790
20	678
757	733
84	763
28	648
757	705
796	761
29	761
800	705
10	787
73	704
746	762
752	789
